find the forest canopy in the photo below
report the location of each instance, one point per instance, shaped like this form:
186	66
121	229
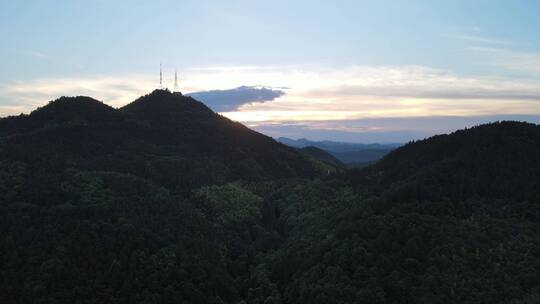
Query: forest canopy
164	201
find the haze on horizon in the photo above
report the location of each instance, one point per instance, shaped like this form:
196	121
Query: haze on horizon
364	71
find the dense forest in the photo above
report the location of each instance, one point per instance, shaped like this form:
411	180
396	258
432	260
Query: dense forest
164	201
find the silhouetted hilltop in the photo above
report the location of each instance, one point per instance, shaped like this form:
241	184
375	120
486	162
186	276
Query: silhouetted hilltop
496	160
174	117
64	110
163	137
167	107
75	108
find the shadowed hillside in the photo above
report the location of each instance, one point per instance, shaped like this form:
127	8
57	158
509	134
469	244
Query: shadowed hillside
498	160
164	137
450	219
164	201
101	201
322	155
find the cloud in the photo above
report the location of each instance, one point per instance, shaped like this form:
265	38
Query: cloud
327	100
383	130
527	63
22	97
481	39
505	55
38	54
232	99
363	92
464	89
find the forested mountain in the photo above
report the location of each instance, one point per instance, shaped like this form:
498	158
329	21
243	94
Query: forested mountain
164	201
321	155
165	137
450	219
361	158
498	160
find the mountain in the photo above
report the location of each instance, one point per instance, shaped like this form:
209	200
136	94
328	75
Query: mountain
321	155
497	160
164	201
164	137
335	146
65	110
450	219
102	204
361	158
352	154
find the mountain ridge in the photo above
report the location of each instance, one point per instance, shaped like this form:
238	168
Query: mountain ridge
461	209
164	201
335	146
321	155
351	154
463	154
159	131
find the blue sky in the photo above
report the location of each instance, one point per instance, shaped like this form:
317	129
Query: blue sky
337	65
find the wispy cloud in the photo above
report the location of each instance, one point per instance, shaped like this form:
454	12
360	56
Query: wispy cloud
480	39
22	97
527	63
506	55
315	95
361	92
37	54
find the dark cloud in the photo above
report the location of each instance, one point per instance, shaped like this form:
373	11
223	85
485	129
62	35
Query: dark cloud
230	100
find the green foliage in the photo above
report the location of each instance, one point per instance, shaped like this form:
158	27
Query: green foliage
234	204
11	180
164	201
119	239
85	189
340	251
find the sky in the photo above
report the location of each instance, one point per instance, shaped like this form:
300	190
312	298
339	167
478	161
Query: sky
359	71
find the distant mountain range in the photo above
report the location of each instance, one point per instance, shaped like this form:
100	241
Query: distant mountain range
336	146
350	154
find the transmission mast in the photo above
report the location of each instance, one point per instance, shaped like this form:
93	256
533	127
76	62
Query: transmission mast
160	76
175	81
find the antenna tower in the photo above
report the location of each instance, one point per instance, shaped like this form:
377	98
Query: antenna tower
175	81
160	77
